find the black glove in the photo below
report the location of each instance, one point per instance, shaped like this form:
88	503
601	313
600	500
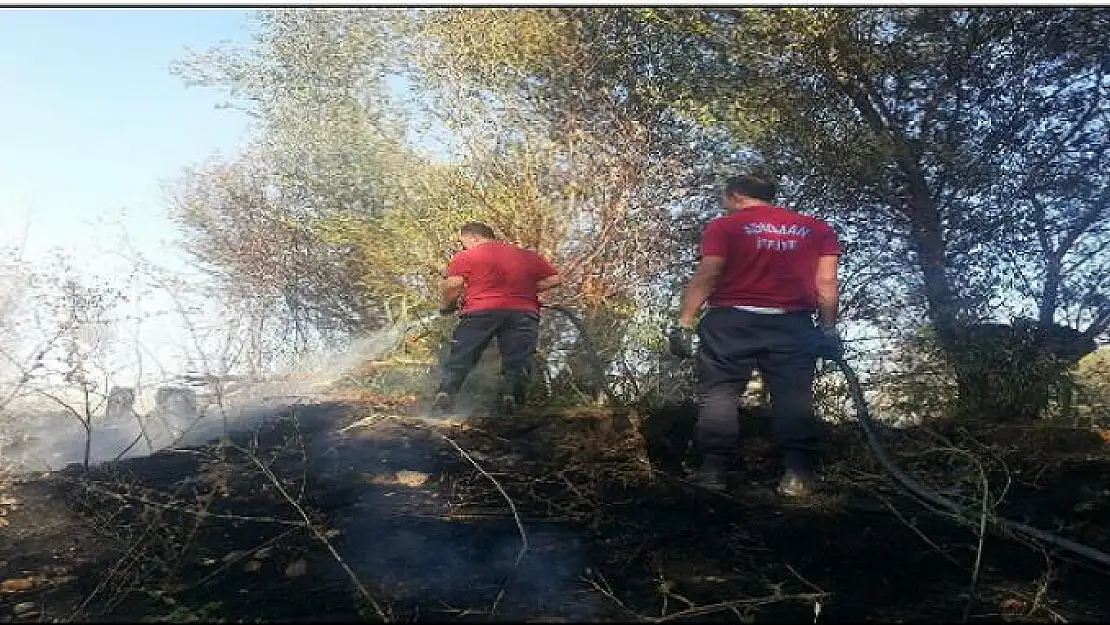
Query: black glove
681	341
829	345
449	309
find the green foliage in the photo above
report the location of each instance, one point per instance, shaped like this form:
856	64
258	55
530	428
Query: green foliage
1012	371
925	135
330	161
917	381
356	220
957	151
904	126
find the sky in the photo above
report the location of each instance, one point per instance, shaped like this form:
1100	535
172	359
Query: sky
93	125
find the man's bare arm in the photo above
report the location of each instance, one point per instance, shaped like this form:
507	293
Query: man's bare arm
700	287
828	295
450	290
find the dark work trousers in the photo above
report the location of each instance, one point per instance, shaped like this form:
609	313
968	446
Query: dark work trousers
733	343
517	333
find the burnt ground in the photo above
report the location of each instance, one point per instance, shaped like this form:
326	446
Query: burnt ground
348	511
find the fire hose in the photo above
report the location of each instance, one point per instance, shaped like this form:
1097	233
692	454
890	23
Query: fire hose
905	481
915	488
867	425
587	344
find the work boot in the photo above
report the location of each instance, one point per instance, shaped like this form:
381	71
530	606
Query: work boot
712	474
797	483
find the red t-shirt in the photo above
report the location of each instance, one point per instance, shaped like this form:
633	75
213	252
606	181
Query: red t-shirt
500	276
770	257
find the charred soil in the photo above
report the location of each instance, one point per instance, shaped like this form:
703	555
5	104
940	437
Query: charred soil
356	510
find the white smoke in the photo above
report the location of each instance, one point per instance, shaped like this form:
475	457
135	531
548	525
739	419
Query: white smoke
37	433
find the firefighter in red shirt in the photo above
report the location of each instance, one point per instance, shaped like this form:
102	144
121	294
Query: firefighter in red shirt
764	272
499	284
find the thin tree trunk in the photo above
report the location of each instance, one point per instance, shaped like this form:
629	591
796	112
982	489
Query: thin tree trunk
88	444
1050	296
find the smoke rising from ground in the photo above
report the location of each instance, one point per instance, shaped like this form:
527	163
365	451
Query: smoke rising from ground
36	433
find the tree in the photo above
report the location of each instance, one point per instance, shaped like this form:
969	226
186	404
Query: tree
383	213
905	127
67	331
244	228
599	172
324	156
19	359
1093	381
957	151
1060	188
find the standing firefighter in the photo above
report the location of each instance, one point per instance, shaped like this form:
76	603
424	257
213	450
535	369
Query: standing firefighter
764	272
502	283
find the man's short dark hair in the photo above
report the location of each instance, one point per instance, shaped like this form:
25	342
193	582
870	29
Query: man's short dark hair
752	186
478	229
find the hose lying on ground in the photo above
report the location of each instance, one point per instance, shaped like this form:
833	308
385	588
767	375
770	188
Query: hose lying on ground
863	417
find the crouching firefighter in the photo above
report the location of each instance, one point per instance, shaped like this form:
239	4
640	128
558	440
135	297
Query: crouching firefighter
499	285
764	272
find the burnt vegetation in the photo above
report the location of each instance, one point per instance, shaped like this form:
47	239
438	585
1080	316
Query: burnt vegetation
960	154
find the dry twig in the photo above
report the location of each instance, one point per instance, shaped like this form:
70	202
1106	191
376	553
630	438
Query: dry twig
512	506
979	549
276	482
372	419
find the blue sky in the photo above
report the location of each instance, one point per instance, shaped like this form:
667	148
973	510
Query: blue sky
92	122
93	125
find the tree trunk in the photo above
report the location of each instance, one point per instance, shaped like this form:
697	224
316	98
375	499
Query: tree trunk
943	309
917	203
87	423
1050	296
928	241
88	444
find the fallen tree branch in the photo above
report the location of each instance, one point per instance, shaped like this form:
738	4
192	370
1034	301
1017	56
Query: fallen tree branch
128	498
524	545
239	558
317	533
723	606
118	567
979	548
512	507
607	592
699	611
916	530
